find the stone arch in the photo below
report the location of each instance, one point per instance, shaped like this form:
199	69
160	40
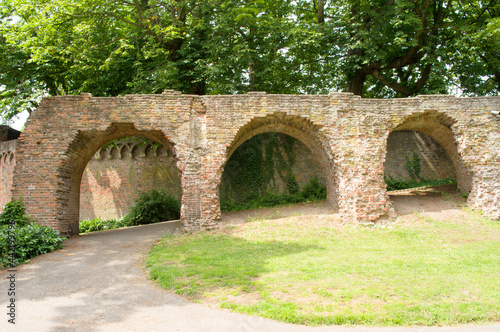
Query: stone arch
79	153
439	127
300	128
114	153
125	152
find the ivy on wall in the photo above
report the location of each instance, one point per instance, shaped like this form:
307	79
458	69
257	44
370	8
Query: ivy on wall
252	169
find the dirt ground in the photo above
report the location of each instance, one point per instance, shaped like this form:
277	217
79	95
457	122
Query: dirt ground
441	202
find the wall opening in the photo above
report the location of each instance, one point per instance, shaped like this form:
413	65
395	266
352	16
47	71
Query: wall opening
404	145
430	135
111	181
92	147
284	152
268	163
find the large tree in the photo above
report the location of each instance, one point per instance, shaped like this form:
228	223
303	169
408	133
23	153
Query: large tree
374	48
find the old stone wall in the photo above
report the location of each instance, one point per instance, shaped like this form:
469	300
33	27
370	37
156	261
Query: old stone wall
116	175
271	159
434	161
346	134
7	164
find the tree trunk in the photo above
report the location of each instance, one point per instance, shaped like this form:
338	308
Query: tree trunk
355	84
321	12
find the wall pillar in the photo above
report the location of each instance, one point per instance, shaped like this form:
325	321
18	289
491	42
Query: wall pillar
362	194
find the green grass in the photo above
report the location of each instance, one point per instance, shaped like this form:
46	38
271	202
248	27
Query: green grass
298	270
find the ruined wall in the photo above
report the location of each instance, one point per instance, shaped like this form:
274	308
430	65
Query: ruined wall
346	134
434	161
7	164
270	160
116	175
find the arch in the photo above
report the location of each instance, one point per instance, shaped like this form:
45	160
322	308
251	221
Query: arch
82	149
148	151
125	152
114	153
438	126
160	151
300	128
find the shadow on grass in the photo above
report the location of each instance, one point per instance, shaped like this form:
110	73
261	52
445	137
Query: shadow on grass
203	263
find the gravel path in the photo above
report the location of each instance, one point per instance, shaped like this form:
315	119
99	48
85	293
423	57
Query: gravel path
96	284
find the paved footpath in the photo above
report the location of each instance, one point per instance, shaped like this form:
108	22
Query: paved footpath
96	284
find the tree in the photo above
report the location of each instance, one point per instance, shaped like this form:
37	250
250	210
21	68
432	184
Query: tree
373	48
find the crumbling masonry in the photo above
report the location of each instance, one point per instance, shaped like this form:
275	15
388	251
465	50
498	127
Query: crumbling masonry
347	135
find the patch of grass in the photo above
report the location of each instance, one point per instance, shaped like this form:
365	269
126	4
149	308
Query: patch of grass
424	272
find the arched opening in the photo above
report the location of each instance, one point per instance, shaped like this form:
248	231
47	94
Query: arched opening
427	140
283	152
106	187
407	146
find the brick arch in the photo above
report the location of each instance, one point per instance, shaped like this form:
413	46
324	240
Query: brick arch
300	128
438	126
79	153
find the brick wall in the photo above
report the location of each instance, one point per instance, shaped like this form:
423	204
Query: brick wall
346	134
304	167
434	161
116	175
7	164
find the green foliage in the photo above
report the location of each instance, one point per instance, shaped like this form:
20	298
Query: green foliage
313	191
22	238
413	166
400	184
152	207
98	224
13	212
252	168
376	49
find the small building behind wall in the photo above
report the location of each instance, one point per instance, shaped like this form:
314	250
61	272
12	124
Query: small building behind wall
348	133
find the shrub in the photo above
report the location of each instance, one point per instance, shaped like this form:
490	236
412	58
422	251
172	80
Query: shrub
14	212
98	224
28	241
23	239
400	184
413	166
152	207
314	190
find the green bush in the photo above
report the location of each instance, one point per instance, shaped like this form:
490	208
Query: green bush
23	239
27	242
400	184
152	207
14	212
98	224
314	190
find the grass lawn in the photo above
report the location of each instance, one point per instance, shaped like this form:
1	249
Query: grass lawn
314	270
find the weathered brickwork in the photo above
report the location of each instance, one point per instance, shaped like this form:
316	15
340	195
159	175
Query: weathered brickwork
116	175
346	134
7	164
434	161
304	167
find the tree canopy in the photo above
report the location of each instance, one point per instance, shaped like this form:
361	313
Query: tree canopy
373	48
